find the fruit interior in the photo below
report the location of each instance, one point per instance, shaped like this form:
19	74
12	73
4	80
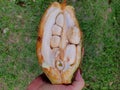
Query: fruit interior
61	41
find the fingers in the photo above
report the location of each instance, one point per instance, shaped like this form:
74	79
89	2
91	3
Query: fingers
35	84
79	83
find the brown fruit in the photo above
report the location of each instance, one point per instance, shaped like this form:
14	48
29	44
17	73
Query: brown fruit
59	43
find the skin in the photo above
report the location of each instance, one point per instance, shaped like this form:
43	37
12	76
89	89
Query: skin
43	83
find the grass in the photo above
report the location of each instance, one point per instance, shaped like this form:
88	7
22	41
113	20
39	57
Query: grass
100	23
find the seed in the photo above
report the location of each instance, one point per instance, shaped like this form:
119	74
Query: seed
60	20
70	53
55	40
56	30
74	35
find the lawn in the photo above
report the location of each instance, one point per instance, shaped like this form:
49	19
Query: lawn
99	21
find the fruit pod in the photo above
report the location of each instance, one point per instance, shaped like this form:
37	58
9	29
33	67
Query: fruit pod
59	43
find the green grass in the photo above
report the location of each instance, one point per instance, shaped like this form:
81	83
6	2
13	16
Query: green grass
99	21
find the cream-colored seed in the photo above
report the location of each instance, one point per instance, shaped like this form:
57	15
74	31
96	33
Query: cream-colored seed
56	30
74	36
55	40
60	20
70	53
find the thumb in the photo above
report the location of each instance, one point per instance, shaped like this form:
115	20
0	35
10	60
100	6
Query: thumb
78	75
79	83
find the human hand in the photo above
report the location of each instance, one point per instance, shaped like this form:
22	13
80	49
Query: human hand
42	83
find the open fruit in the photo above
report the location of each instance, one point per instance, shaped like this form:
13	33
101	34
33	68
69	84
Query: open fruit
59	43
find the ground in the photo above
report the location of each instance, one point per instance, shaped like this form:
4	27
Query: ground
99	21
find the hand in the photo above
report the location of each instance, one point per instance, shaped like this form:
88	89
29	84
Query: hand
42	83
